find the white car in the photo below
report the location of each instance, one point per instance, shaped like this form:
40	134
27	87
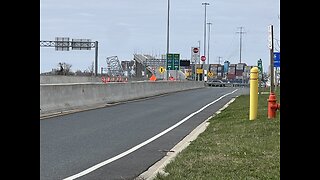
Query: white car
216	83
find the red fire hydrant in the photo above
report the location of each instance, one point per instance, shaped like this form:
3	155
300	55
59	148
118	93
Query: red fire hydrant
273	106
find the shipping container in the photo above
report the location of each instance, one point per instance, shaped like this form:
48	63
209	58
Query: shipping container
232	69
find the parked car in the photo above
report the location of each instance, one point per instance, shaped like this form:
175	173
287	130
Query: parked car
216	83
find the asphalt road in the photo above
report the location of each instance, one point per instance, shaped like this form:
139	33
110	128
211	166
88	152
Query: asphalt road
73	145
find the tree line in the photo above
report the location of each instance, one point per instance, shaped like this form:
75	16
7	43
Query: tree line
65	69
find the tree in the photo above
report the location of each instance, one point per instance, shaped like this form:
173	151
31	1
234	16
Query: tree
91	68
64	69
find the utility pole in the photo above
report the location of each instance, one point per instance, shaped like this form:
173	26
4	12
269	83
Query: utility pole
240	32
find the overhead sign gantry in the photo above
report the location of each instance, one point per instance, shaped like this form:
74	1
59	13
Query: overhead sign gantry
64	44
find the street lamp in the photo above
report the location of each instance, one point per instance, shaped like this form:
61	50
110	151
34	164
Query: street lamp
209	40
168	37
204	29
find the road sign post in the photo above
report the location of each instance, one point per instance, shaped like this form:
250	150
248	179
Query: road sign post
195	59
260	74
270	37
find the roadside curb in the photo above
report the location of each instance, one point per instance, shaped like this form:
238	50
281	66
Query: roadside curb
159	166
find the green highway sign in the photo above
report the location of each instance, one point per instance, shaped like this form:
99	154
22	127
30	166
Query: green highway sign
169	61
176	61
173	61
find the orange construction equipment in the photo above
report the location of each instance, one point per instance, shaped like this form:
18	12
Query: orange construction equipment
273	106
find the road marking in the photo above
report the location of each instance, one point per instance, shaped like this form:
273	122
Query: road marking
159	166
87	171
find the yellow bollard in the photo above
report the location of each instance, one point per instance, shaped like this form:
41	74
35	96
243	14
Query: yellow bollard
253	93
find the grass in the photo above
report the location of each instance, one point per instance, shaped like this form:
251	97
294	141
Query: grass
232	146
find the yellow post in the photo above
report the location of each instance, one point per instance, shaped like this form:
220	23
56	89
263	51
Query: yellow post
253	93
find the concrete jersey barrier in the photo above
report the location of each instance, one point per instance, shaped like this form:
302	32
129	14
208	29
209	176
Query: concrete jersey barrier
61	97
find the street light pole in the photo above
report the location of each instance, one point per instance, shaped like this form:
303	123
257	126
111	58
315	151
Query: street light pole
96	59
168	37
209	41
198	79
204	29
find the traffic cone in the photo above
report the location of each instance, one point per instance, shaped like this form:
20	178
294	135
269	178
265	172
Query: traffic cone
153	78
103	79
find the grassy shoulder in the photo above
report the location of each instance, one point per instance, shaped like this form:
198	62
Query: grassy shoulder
232	146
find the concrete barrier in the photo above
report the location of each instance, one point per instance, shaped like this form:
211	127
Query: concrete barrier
55	79
61	97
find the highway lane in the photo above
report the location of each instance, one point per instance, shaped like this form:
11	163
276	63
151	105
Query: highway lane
73	143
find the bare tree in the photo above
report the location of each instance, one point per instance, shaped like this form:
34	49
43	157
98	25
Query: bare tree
91	68
64	69
60	70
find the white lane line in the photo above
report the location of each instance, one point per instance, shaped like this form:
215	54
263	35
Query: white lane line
87	171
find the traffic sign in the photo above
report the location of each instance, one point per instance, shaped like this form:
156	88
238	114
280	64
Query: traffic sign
169	61
161	69
176	61
173	61
199	71
184	62
195	55
210	74
276	59
203	58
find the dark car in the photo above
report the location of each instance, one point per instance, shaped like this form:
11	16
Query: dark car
216	83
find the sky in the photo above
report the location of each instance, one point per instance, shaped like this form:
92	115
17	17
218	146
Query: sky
125	27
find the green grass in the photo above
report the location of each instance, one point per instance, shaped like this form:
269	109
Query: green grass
232	147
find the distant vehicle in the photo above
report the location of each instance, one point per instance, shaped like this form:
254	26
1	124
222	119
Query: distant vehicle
216	83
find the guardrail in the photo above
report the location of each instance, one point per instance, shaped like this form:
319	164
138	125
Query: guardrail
228	85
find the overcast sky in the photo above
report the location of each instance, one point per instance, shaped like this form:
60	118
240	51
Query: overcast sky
125	27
